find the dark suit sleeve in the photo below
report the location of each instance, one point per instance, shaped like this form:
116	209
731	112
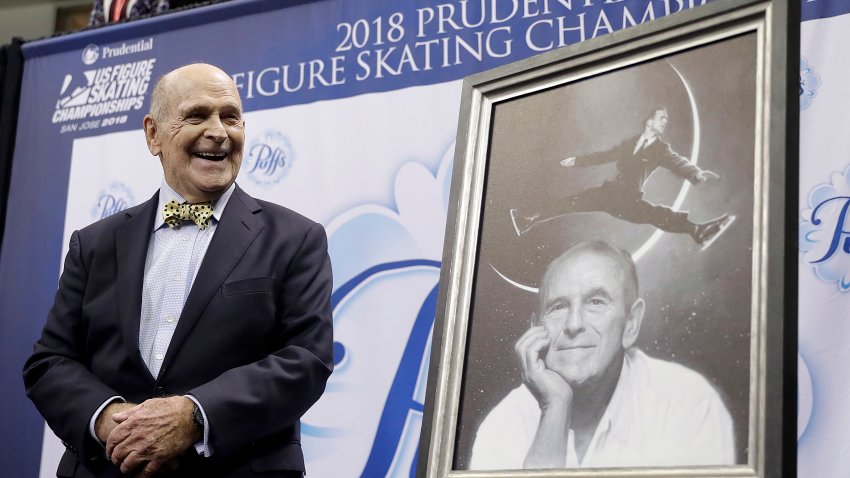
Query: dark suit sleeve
56	378
676	163
602	157
247	403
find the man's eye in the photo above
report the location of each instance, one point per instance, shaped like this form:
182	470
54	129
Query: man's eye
558	307
595	302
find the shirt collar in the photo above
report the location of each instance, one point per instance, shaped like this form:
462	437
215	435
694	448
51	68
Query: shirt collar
646	141
167	194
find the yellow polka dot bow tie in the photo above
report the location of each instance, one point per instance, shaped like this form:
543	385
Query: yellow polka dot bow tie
175	213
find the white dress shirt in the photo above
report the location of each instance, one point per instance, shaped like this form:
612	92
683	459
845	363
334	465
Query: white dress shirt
661	414
173	259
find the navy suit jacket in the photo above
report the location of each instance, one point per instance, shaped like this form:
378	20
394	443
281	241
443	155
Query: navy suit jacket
253	344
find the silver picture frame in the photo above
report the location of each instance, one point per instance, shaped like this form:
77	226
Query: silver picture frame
739	55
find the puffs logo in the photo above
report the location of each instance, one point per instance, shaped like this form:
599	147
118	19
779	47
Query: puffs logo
269	159
103	91
115	198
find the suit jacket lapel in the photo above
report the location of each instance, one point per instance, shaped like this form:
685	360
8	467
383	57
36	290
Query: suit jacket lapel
233	235
634	143
131	246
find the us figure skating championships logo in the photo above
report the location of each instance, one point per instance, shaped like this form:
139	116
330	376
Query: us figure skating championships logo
268	159
114	198
102	91
825	232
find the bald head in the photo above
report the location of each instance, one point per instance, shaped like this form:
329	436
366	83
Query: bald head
167	87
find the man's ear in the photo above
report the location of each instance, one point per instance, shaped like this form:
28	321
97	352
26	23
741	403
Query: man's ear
633	321
150	126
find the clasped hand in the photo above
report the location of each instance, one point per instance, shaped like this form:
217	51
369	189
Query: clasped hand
146	438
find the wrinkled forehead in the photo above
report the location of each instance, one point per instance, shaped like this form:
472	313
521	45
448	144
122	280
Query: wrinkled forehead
210	87
583	270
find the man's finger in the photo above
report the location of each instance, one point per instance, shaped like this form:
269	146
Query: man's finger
131	462
526	338
124	415
534	362
120	453
117	436
528	352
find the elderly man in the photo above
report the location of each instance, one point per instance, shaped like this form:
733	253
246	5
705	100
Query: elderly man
189	333
591	399
636	159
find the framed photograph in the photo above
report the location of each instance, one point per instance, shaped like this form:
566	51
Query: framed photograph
618	293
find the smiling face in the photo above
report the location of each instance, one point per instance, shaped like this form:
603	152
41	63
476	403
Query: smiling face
589	309
196	129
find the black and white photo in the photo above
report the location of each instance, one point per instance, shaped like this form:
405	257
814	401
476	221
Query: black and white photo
582	374
660	207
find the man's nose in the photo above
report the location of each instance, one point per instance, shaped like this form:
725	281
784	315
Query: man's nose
575	321
215	129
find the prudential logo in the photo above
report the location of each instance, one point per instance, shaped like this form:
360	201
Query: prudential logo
268	159
90	54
